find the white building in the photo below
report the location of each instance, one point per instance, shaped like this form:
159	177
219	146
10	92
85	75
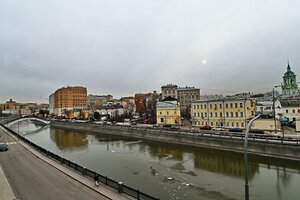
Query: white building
112	111
288	108
51	104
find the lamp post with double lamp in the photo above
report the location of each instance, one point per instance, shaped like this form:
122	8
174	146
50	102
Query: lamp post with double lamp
246	157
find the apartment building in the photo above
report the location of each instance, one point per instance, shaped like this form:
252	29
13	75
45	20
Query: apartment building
229	113
69	98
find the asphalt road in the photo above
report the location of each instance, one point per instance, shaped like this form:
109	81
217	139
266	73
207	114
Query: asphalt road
32	179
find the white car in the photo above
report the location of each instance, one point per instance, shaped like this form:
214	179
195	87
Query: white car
219	128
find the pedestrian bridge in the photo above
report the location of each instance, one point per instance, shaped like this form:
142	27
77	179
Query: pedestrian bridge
46	122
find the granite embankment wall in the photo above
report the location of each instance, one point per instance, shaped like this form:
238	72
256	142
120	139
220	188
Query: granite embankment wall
269	148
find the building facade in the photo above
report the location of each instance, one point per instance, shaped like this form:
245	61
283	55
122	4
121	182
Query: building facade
68	98
98	100
169	90
187	95
168	112
288	108
228	113
184	95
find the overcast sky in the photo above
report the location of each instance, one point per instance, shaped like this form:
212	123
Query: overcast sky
123	47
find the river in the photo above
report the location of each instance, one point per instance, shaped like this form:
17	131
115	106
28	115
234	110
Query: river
169	171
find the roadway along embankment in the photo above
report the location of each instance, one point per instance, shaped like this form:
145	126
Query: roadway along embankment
268	148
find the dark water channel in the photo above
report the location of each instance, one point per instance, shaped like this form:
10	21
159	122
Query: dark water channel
169	171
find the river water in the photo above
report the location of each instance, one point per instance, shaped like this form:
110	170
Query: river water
169	171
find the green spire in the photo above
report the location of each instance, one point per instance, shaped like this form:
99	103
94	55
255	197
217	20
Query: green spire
288	67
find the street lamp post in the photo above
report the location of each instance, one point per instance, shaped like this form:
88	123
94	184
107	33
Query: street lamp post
246	157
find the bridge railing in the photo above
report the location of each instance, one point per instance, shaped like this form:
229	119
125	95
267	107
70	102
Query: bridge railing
119	186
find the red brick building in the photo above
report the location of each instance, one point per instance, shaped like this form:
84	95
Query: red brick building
140	102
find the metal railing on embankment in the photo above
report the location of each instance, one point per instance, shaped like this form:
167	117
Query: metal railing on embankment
119	186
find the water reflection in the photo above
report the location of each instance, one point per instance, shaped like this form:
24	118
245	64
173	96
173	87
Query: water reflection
67	139
226	165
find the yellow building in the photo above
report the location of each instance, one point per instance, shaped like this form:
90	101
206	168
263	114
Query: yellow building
168	111
69	98
229	113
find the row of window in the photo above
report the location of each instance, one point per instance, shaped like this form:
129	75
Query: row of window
227	105
226	124
293	111
167	112
231	114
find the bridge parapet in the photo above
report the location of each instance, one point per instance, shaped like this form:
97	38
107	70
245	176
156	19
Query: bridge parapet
46	122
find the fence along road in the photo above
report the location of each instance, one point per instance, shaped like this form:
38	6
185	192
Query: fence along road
34	179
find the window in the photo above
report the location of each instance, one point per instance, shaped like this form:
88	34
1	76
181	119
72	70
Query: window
194	106
242	114
216	114
197	106
210	106
161	119
205	114
236	114
241	105
211	114
201	114
252	113
242	124
231	105
216	106
160	113
216	123
231	114
205	106
194	114
236	105
232	123
220	105
221	115
286	111
227	114
293	110
298	110
211	123
226	105
202	123
198	114
201	106
167	113
237	124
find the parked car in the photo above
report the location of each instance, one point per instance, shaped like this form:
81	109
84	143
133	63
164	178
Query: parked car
219	128
205	127
167	125
3	147
292	124
257	131
175	128
236	130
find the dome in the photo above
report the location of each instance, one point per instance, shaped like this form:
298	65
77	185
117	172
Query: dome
289	73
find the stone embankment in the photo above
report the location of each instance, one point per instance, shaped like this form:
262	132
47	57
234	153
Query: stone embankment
268	147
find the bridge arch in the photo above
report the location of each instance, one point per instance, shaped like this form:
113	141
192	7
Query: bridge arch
46	122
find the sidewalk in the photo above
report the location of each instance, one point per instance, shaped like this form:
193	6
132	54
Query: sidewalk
6	192
104	190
